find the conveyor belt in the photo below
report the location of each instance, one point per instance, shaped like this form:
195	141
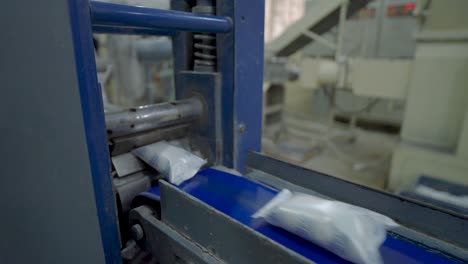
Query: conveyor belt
240	198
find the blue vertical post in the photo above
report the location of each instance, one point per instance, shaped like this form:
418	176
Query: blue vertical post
226	65
93	117
248	70
240	60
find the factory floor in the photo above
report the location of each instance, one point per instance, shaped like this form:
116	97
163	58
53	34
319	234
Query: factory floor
357	155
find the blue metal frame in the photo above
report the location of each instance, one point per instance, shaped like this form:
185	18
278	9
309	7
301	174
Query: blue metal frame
93	117
240	50
226	66
240	198
141	17
240	63
240	60
132	31
248	20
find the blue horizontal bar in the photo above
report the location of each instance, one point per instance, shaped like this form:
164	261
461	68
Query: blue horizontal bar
132	30
107	14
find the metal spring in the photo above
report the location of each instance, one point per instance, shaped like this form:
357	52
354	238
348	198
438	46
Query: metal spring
205	52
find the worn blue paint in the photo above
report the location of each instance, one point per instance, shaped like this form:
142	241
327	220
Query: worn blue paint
240	61
132	16
248	79
132	31
94	124
181	46
226	66
239	198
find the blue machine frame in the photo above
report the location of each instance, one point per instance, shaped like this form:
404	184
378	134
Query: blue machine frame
240	60
209	187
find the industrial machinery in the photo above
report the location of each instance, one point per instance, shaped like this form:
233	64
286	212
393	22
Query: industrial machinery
434	136
390	70
352	61
63	200
365	52
136	61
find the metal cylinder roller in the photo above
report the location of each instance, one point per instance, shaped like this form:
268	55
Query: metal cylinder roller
149	117
120	145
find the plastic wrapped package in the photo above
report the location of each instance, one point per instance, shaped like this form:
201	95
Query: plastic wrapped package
351	232
174	163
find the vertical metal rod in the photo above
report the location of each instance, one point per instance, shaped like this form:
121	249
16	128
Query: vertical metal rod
381	15
93	121
339	56
339	46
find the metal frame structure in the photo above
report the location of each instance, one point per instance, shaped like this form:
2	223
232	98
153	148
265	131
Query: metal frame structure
204	221
240	58
93	117
189	227
184	216
438	224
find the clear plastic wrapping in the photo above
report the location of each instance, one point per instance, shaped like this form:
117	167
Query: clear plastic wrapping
174	163
351	232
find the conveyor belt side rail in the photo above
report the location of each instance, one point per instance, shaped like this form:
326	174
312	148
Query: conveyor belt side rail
437	222
221	238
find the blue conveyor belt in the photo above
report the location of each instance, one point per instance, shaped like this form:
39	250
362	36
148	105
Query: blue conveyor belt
239	198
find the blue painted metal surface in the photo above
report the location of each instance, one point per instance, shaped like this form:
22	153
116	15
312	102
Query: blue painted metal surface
93	118
248	79
182	47
226	66
240	198
132	16
240	61
132	31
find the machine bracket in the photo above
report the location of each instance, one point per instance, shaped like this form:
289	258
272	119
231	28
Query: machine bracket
196	232
207	134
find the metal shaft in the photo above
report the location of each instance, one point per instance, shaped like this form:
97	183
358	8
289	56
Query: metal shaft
130	186
149	117
120	145
132	30
114	15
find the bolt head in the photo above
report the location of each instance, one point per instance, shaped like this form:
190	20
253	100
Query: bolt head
241	128
137	232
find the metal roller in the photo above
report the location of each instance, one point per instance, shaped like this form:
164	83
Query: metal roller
149	117
120	145
130	186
